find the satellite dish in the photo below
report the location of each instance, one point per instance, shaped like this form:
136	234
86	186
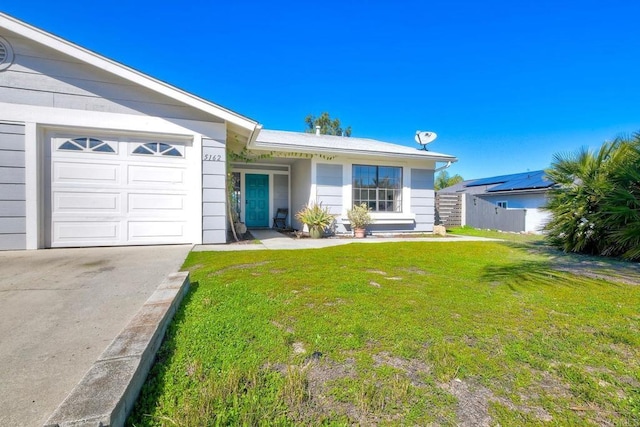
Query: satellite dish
425	137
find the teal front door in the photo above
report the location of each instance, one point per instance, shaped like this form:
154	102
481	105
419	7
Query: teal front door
256	210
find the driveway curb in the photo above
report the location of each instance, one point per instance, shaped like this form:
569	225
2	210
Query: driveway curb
108	391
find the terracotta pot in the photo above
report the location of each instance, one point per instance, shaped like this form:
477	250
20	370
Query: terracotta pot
359	233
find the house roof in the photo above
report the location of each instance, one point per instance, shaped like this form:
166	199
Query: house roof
310	142
237	122
524	181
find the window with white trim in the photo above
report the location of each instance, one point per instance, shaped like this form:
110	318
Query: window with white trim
502	204
380	187
87	144
157	149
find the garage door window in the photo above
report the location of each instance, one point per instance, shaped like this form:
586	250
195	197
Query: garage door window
87	144
157	149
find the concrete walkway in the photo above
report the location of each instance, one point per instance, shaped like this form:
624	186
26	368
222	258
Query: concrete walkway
271	239
59	310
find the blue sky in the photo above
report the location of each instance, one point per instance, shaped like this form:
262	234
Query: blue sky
505	84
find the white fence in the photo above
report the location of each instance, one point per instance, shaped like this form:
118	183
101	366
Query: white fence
457	209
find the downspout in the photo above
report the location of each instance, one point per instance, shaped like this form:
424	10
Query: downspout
442	167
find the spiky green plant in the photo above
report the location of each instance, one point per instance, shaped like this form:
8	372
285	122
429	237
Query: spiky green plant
315	216
596	202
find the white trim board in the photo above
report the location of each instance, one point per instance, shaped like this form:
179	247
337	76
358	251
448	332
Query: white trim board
60	117
63	46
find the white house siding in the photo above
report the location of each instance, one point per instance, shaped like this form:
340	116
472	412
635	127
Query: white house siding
329	189
422	199
526	201
12	187
300	188
53	92
281	194
214	220
536	219
43	77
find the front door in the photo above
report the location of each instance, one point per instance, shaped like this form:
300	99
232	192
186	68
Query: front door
256	210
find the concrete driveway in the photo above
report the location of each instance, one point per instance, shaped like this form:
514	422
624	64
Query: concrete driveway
59	310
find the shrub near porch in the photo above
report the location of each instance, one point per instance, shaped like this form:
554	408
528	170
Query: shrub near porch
396	333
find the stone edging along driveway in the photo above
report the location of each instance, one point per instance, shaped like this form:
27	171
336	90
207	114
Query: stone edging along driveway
108	391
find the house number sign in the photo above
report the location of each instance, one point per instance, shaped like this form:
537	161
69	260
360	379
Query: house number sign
212	158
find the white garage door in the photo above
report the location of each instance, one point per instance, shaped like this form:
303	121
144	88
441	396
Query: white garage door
110	192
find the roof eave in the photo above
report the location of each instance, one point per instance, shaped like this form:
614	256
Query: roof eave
85	55
271	146
519	191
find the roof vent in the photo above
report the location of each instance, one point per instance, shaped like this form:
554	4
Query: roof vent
6	54
317	130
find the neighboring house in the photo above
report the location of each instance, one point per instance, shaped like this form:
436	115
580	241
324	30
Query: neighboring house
94	153
523	195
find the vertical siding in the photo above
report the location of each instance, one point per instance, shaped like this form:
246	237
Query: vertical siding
214	217
483	214
281	194
422	199
13	229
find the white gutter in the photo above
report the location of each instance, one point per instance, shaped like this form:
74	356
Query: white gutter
443	167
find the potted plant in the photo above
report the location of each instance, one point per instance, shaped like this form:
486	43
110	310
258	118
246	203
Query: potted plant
359	217
316	218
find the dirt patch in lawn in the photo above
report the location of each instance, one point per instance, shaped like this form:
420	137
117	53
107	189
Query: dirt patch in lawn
415	270
380	272
239	267
310	392
307	386
415	369
474	400
594	272
593	267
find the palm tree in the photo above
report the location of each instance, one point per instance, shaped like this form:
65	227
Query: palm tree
443	180
621	204
595	204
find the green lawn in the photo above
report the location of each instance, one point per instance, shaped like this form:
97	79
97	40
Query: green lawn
495	234
410	333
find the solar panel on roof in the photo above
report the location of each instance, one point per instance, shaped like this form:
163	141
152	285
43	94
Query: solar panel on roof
525	181
516	181
500	179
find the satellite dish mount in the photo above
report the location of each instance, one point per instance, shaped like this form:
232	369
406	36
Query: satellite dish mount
425	137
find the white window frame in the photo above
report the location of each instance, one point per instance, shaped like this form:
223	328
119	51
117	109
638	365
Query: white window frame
377	189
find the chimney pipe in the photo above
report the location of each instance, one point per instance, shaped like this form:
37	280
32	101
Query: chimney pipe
317	130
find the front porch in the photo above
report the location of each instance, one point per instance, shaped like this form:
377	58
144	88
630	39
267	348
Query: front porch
261	188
